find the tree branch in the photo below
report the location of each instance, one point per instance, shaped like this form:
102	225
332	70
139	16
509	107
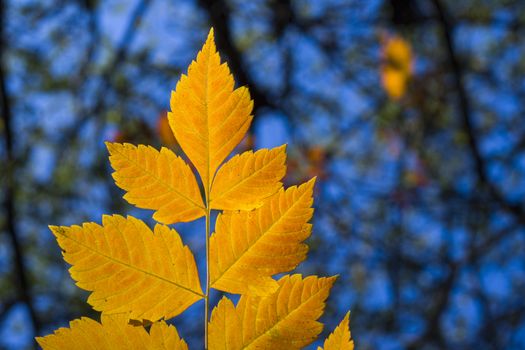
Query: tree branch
120	55
447	27
6	307
220	19
20	271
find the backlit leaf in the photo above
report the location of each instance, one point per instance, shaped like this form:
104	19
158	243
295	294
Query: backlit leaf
340	338
246	180
138	276
248	247
225	329
114	333
208	117
285	320
129	268
161	181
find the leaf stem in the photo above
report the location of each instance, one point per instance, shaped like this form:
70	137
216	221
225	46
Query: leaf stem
207	295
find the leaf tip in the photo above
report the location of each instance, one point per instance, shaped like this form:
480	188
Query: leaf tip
307	187
331	280
210	40
282	148
111	146
40	341
57	230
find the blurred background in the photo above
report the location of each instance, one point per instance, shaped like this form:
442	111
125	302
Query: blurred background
410	112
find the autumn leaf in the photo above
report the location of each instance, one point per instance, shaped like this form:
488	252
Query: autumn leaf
208	117
285	320
129	268
114	333
246	180
397	67
138	276
340	338
225	328
161	181
248	247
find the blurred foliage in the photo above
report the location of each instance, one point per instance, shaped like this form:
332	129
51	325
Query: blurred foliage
420	202
397	67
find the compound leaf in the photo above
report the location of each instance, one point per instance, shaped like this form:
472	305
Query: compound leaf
248	247
114	333
340	338
138	277
129	268
245	180
161	181
285	320
208	117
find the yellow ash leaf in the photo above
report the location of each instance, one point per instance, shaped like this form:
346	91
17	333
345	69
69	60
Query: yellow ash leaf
225	328
129	268
248	247
246	180
166	337
340	338
208	117
114	333
161	181
397	67
287	319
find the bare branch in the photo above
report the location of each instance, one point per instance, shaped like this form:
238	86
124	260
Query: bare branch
9	206
220	20
466	113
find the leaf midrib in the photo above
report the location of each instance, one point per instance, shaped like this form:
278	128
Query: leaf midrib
243	180
258	239
131	266
246	346
152	174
